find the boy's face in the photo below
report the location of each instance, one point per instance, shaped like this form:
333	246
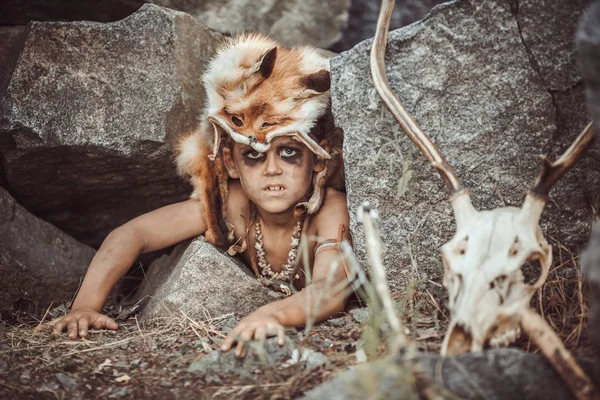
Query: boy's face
277	179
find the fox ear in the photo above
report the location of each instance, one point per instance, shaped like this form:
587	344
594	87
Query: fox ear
316	83
267	62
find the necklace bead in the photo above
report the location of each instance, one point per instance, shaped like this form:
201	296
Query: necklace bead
287	269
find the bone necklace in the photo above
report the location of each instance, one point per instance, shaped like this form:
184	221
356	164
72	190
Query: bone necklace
288	268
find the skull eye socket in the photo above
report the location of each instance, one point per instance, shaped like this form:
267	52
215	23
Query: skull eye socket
531	270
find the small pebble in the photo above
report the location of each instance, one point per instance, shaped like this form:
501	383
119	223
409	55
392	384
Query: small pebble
120	393
121	364
213	380
66	381
165	383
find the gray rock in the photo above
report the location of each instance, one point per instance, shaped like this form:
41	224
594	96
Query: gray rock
271	356
494	374
361	315
363	14
227	324
590	268
466	76
293	22
91	111
117	394
588	42
66	381
549	42
165	383
39	264
201	281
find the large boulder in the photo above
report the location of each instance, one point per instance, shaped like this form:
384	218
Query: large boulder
292	22
490	100
39	264
362	19
202	282
494	374
90	112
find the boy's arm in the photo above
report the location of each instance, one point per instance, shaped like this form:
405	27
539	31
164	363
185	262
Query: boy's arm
152	231
324	297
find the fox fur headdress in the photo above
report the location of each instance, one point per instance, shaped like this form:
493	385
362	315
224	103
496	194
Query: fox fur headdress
257	91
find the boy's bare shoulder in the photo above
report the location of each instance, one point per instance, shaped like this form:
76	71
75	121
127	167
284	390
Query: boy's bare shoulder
333	212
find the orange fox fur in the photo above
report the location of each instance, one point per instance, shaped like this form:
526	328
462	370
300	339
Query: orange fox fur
255	81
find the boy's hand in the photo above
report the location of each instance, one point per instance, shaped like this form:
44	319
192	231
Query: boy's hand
256	326
78	321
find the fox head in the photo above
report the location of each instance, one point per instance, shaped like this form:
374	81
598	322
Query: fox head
258	90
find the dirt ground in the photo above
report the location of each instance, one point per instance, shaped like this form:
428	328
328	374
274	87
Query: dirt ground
151	361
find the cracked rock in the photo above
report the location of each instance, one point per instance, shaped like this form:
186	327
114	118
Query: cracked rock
466	77
292	22
90	114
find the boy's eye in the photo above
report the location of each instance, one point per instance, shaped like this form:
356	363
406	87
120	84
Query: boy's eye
288	152
237	121
253	155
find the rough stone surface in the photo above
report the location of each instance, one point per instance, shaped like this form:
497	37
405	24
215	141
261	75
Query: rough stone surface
90	112
588	43
293	22
289	355
363	15
202	282
39	264
590	267
469	80
494	374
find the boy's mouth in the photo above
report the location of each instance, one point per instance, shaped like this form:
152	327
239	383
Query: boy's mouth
274	188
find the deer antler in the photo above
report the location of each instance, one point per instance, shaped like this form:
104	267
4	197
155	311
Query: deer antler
553	171
409	125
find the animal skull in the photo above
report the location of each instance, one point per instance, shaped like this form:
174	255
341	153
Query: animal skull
483	261
482	272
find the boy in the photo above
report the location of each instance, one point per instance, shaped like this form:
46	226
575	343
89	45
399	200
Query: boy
260	182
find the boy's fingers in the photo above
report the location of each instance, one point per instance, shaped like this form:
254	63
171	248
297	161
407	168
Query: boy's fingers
280	335
59	326
83	326
261	334
229	340
111	324
240	348
104	322
72	328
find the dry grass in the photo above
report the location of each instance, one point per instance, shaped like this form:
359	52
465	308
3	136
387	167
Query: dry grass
562	302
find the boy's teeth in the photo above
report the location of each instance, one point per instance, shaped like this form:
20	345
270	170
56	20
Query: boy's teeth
274	188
